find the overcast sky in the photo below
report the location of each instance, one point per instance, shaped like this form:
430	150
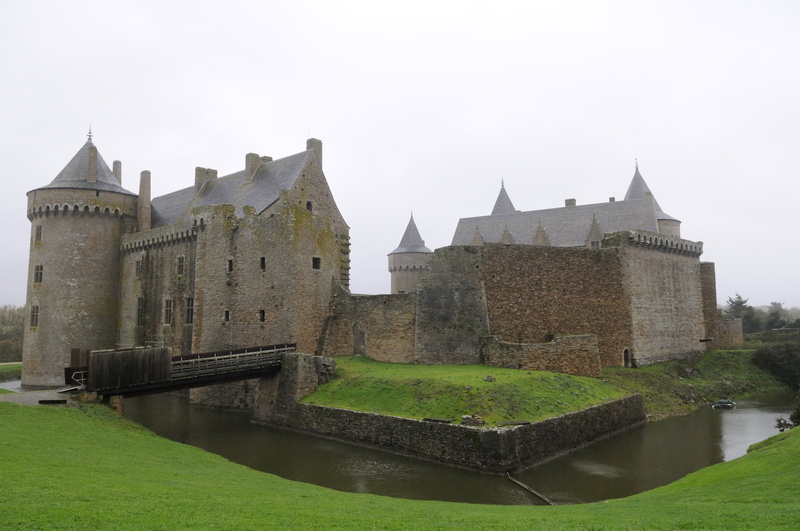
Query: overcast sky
425	107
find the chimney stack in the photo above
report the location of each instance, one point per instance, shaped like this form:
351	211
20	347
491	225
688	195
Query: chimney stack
143	209
201	175
569	202
118	171
251	163
316	145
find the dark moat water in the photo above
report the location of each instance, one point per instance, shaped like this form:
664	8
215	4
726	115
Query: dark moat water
637	460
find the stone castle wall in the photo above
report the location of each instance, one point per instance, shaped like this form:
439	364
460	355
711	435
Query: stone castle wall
382	327
577	355
667	305
729	334
534	293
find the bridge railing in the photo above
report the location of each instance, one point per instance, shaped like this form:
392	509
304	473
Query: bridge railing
228	361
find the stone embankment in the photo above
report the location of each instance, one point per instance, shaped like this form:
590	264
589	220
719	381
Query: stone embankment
496	449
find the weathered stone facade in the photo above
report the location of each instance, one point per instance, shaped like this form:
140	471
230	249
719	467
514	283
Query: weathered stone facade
253	258
641	297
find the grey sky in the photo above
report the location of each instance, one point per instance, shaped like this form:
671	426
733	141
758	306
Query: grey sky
425	107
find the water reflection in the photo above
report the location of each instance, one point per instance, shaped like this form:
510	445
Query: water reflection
634	461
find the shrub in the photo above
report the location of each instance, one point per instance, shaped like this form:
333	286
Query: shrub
782	360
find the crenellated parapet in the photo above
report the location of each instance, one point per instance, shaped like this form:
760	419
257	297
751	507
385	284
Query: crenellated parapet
160	237
655	241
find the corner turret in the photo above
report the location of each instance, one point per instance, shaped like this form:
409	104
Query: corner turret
73	272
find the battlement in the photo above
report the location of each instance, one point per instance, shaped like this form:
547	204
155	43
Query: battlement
652	240
158	238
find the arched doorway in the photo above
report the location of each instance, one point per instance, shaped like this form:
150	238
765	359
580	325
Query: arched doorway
359	339
626	357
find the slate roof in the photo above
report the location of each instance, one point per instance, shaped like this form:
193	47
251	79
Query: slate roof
503	205
75	174
568	226
237	189
412	241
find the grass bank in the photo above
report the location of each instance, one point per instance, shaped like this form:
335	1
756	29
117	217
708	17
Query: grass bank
450	391
10	371
88	468
680	387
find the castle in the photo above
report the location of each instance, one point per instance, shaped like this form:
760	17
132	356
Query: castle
261	256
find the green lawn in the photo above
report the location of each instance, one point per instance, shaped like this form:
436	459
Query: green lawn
10	371
88	468
450	391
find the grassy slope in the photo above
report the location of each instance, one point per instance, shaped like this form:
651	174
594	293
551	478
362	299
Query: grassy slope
417	391
676	388
449	391
10	371
88	468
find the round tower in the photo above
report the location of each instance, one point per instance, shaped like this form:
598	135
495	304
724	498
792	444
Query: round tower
73	269
408	264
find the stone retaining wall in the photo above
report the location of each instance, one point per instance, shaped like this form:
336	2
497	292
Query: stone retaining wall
498	449
577	355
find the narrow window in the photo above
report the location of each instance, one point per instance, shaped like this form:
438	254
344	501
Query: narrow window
37	274
230	265
138	269
316	262
226	315
180	266
309	206
38	234
168	311
34	316
190	310
263	263
595	245
140	311
262	315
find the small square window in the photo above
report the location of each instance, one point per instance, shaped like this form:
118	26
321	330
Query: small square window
316	262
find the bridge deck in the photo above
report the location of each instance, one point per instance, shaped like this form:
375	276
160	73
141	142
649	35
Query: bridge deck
137	371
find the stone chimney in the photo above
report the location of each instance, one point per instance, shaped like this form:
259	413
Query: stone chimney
91	175
143	209
316	145
201	176
569	202
612	199
118	171
251	163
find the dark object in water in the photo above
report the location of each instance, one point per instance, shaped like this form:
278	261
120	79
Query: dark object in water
724	404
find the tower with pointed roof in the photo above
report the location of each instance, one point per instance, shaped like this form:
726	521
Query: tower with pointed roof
74	264
408	264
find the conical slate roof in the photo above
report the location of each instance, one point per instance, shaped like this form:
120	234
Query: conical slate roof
412	242
76	173
638	189
503	204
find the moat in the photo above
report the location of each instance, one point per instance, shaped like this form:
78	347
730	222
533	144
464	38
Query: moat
637	460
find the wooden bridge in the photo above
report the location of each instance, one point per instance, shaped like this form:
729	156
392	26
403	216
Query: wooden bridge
140	371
